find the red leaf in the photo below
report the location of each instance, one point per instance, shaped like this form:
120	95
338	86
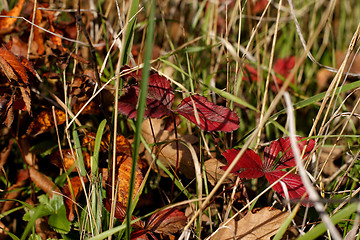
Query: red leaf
258	6
212	117
127	103
292	181
120	213
160	97
249	165
287	160
167	221
283	66
158	101
250	73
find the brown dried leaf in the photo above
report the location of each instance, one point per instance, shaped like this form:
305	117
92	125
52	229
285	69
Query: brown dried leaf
167	153
69	200
14	191
44	121
122	178
214	171
91	108
25	94
7	69
168	221
261	224
43	182
69	160
6	24
38	36
15	64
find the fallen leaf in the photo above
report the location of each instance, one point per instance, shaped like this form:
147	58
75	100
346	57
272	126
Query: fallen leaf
43	182
258	6
158	101
277	156
120	213
214	172
69	160
69	199
262	224
6	24
168	221
15	64
15	190
45	121
167	151
122	178
212	117
249	166
293	182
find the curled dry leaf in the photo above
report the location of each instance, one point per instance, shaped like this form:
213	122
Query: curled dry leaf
69	159
6	24
214	171
168	221
261	224
45	121
16	66
120	213
166	152
212	117
122	178
69	199
14	191
43	182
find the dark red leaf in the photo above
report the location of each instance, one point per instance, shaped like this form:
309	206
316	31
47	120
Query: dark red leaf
160	97
212	117
249	165
120	213
287	160
283	66
158	101
258	6
167	221
292	181
250	73
127	103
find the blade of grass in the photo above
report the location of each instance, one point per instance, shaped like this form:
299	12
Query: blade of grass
141	111
129	35
79	157
95	159
338	217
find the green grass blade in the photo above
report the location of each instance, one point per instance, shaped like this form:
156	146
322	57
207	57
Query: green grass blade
338	217
231	97
129	35
141	110
79	159
95	159
318	98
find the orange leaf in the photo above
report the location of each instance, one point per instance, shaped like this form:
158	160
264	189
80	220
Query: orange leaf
76	187
6	24
15	64
44	121
39	37
69	161
122	175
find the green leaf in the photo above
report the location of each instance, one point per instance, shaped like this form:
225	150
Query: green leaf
59	221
